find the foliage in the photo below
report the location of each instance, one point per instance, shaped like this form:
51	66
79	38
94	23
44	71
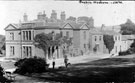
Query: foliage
1	71
3	47
132	47
71	18
2	44
2	78
109	42
131	50
125	53
44	41
31	65
95	49
128	28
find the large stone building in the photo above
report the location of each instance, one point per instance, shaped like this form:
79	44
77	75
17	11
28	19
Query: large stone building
81	31
117	41
127	40
20	37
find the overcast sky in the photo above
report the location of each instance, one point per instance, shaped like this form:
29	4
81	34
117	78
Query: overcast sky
108	14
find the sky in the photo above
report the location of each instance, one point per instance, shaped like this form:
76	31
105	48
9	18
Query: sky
108	14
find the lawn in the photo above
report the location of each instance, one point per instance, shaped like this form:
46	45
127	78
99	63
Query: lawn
110	69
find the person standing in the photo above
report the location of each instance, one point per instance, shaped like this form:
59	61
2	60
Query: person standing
66	61
53	63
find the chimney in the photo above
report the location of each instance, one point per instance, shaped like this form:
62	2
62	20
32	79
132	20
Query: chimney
39	16
102	27
91	22
63	16
44	15
25	17
20	23
53	15
113	28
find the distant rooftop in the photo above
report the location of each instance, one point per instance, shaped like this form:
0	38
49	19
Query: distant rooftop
110	32
128	37
95	31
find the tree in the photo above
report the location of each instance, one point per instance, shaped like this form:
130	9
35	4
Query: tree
31	65
128	28
43	41
71	18
3	47
109	42
132	47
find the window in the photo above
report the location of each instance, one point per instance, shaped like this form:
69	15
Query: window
23	35
67	33
95	38
115	38
12	50
61	33
84	33
12	36
116	49
119	38
120	48
27	35
84	45
27	51
100	38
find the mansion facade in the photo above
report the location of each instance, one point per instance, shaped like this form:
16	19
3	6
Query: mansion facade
85	37
20	40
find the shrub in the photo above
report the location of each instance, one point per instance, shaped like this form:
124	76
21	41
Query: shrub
31	65
1	71
125	52
2	79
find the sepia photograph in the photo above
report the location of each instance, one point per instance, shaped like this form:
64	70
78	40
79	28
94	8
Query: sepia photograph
62	41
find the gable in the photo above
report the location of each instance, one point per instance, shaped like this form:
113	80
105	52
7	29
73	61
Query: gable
68	26
10	27
84	26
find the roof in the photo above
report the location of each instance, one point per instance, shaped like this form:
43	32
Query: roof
110	32
15	26
128	37
42	24
96	31
77	25
60	24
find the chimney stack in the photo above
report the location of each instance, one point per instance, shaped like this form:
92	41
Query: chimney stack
54	15
39	16
91	22
63	16
25	17
102	27
44	15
